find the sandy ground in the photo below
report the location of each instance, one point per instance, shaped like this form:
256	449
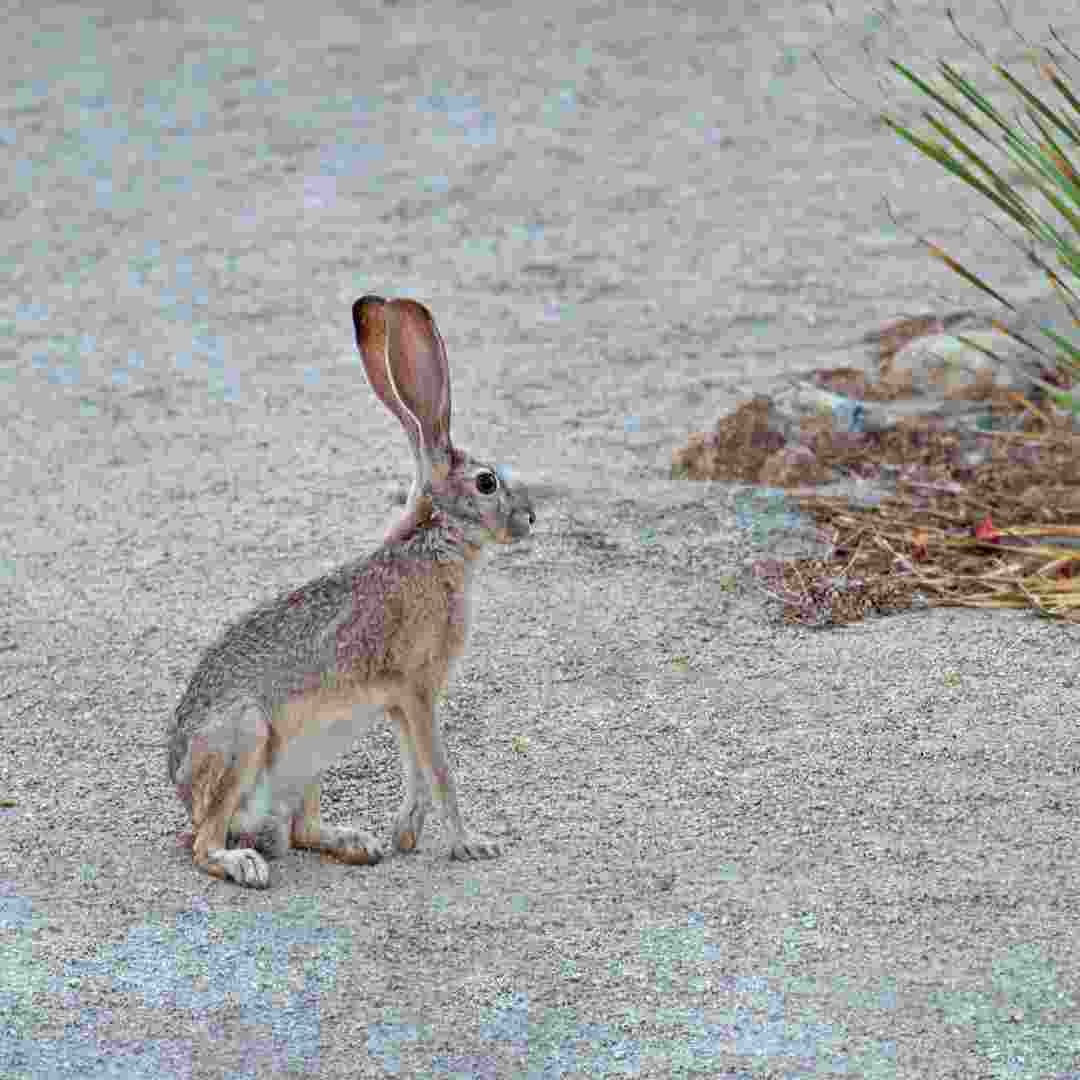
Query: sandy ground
733	848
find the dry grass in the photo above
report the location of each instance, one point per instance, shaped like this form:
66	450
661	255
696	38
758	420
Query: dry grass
996	534
973	518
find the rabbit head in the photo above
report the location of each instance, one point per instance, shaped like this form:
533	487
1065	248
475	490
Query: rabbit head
405	362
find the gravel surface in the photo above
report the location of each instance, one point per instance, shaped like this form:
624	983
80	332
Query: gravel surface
733	847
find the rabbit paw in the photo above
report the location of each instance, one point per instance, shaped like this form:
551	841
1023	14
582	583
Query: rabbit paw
243	865
409	824
474	847
350	846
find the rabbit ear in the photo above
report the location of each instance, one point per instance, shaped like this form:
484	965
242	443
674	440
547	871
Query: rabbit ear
416	357
369	318
405	360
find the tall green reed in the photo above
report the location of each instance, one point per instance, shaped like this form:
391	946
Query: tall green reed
1035	182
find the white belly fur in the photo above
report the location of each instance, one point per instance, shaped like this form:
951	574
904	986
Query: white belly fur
279	789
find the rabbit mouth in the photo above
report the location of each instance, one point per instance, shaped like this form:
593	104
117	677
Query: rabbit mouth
478	536
516	529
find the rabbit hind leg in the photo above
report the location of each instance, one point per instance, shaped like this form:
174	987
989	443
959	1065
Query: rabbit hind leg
220	785
310	733
341	842
258	823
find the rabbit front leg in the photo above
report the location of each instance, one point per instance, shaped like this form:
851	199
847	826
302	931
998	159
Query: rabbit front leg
423	754
414	807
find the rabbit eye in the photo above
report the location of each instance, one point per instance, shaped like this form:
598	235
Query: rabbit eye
487	483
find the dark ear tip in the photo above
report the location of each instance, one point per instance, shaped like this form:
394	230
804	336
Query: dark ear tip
360	307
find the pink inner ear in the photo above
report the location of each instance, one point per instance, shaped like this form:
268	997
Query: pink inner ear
419	370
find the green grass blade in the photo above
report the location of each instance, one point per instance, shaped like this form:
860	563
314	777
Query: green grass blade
1060	170
1005	197
968	90
1071	350
1063	89
933	94
1047	159
986	351
1040	153
1062	398
1023	153
1054	361
1036	103
1028	156
1048	234
1001	328
1017	210
1032	158
1003	189
966	274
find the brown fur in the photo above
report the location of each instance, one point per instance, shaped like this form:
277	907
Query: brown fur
219	789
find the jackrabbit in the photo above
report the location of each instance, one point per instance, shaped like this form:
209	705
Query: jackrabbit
288	686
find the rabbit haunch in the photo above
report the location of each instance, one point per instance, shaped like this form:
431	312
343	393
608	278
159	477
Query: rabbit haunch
348	637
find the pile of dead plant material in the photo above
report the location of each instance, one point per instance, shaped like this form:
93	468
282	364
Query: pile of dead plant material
928	515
